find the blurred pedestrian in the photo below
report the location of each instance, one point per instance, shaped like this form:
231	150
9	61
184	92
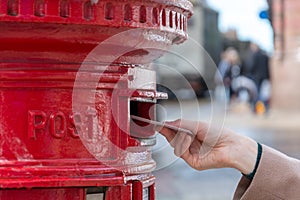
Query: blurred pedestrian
228	69
257	68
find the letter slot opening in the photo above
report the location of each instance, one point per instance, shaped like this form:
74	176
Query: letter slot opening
146	110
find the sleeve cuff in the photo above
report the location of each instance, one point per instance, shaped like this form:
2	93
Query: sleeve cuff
273	178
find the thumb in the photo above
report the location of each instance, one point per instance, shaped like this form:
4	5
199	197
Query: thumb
168	133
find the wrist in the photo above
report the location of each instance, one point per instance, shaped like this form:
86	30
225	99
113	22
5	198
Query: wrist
245	155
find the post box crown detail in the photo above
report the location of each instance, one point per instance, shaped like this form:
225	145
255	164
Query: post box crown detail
165	15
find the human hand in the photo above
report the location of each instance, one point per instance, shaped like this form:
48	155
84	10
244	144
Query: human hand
210	147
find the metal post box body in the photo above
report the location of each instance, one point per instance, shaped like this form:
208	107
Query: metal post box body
44	44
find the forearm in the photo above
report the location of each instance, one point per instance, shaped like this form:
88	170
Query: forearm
244	155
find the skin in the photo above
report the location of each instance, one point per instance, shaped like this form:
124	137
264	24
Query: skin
210	148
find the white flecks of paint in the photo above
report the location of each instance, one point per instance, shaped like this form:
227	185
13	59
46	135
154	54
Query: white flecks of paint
94	1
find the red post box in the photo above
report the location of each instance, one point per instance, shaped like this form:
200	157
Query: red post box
48	146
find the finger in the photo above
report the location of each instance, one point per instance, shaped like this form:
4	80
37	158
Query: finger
168	133
183	142
195	147
176	143
186	153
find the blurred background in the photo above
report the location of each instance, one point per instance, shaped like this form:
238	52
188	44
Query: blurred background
241	54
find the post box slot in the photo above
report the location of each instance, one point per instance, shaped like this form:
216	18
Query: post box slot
146	110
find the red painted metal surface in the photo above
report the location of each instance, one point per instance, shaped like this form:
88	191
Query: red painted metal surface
43	45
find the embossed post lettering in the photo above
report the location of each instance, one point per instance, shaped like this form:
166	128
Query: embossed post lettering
36	120
90	126
75	125
57	124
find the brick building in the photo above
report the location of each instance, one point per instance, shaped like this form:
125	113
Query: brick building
285	17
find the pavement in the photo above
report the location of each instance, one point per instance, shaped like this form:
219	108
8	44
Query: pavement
177	181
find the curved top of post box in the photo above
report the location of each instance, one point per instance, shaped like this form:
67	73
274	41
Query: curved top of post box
67	29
